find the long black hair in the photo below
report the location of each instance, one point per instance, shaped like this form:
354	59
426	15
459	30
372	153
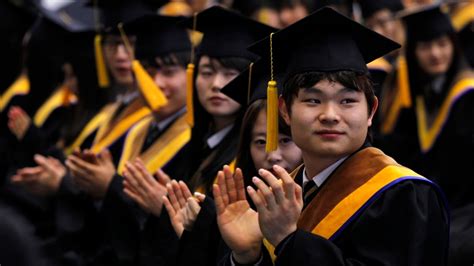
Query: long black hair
226	150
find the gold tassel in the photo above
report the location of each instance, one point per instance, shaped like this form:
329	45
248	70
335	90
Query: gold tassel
154	96
189	94
102	75
190	82
403	83
272	108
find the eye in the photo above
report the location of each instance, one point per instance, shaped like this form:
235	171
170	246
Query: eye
348	101
206	73
259	142
285	140
311	101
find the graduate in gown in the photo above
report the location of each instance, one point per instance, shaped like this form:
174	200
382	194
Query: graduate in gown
359	206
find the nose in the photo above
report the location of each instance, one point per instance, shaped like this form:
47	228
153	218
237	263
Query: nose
122	53
329	113
160	81
219	82
274	157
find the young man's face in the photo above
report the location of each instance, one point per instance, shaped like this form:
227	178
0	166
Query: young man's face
118	59
329	120
171	79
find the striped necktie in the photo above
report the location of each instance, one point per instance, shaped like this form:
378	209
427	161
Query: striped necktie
309	188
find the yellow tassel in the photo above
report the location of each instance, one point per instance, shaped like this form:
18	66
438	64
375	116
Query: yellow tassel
403	83
102	76
152	93
189	94
272	116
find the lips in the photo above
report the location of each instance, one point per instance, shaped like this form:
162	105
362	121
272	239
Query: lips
217	99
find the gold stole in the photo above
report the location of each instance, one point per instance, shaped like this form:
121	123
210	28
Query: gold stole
162	150
91	126
463	16
348	190
113	128
61	97
21	86
427	135
380	64
391	107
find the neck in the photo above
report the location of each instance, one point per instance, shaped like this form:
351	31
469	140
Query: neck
316	164
222	122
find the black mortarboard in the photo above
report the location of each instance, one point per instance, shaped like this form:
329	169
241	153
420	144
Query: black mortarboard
159	35
114	12
324	41
426	23
369	7
227	33
251	84
74	17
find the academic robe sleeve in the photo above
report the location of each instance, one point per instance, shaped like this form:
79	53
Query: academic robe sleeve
121	217
407	225
200	246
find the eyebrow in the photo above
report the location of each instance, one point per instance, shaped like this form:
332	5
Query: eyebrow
259	134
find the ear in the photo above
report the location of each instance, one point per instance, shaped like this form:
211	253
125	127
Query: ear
284	110
374	109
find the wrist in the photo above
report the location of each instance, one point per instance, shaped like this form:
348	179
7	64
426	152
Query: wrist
249	256
276	239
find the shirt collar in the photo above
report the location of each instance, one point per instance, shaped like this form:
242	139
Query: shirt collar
323	175
164	123
217	137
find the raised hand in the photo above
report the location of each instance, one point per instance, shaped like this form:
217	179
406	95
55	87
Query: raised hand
18	121
279	205
238	223
43	179
92	173
143	188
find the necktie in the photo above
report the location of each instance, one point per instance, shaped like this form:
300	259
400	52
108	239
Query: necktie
152	135
308	189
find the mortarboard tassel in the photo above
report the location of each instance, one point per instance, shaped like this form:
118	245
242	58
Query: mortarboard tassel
272	108
190	84
154	97
102	75
403	83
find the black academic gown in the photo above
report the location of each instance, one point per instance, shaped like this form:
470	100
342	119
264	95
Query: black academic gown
406	224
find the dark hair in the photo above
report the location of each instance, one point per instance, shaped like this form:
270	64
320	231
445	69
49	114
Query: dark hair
171	59
226	151
244	159
350	79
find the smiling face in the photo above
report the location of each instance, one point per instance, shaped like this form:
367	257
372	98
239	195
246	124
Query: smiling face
329	120
211	78
288	155
171	79
435	56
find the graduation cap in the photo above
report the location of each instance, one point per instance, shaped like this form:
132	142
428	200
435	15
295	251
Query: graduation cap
369	7
113	12
251	84
426	23
159	35
325	41
227	33
74	17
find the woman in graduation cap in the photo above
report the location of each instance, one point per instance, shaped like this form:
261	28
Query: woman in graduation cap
349	203
441	86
